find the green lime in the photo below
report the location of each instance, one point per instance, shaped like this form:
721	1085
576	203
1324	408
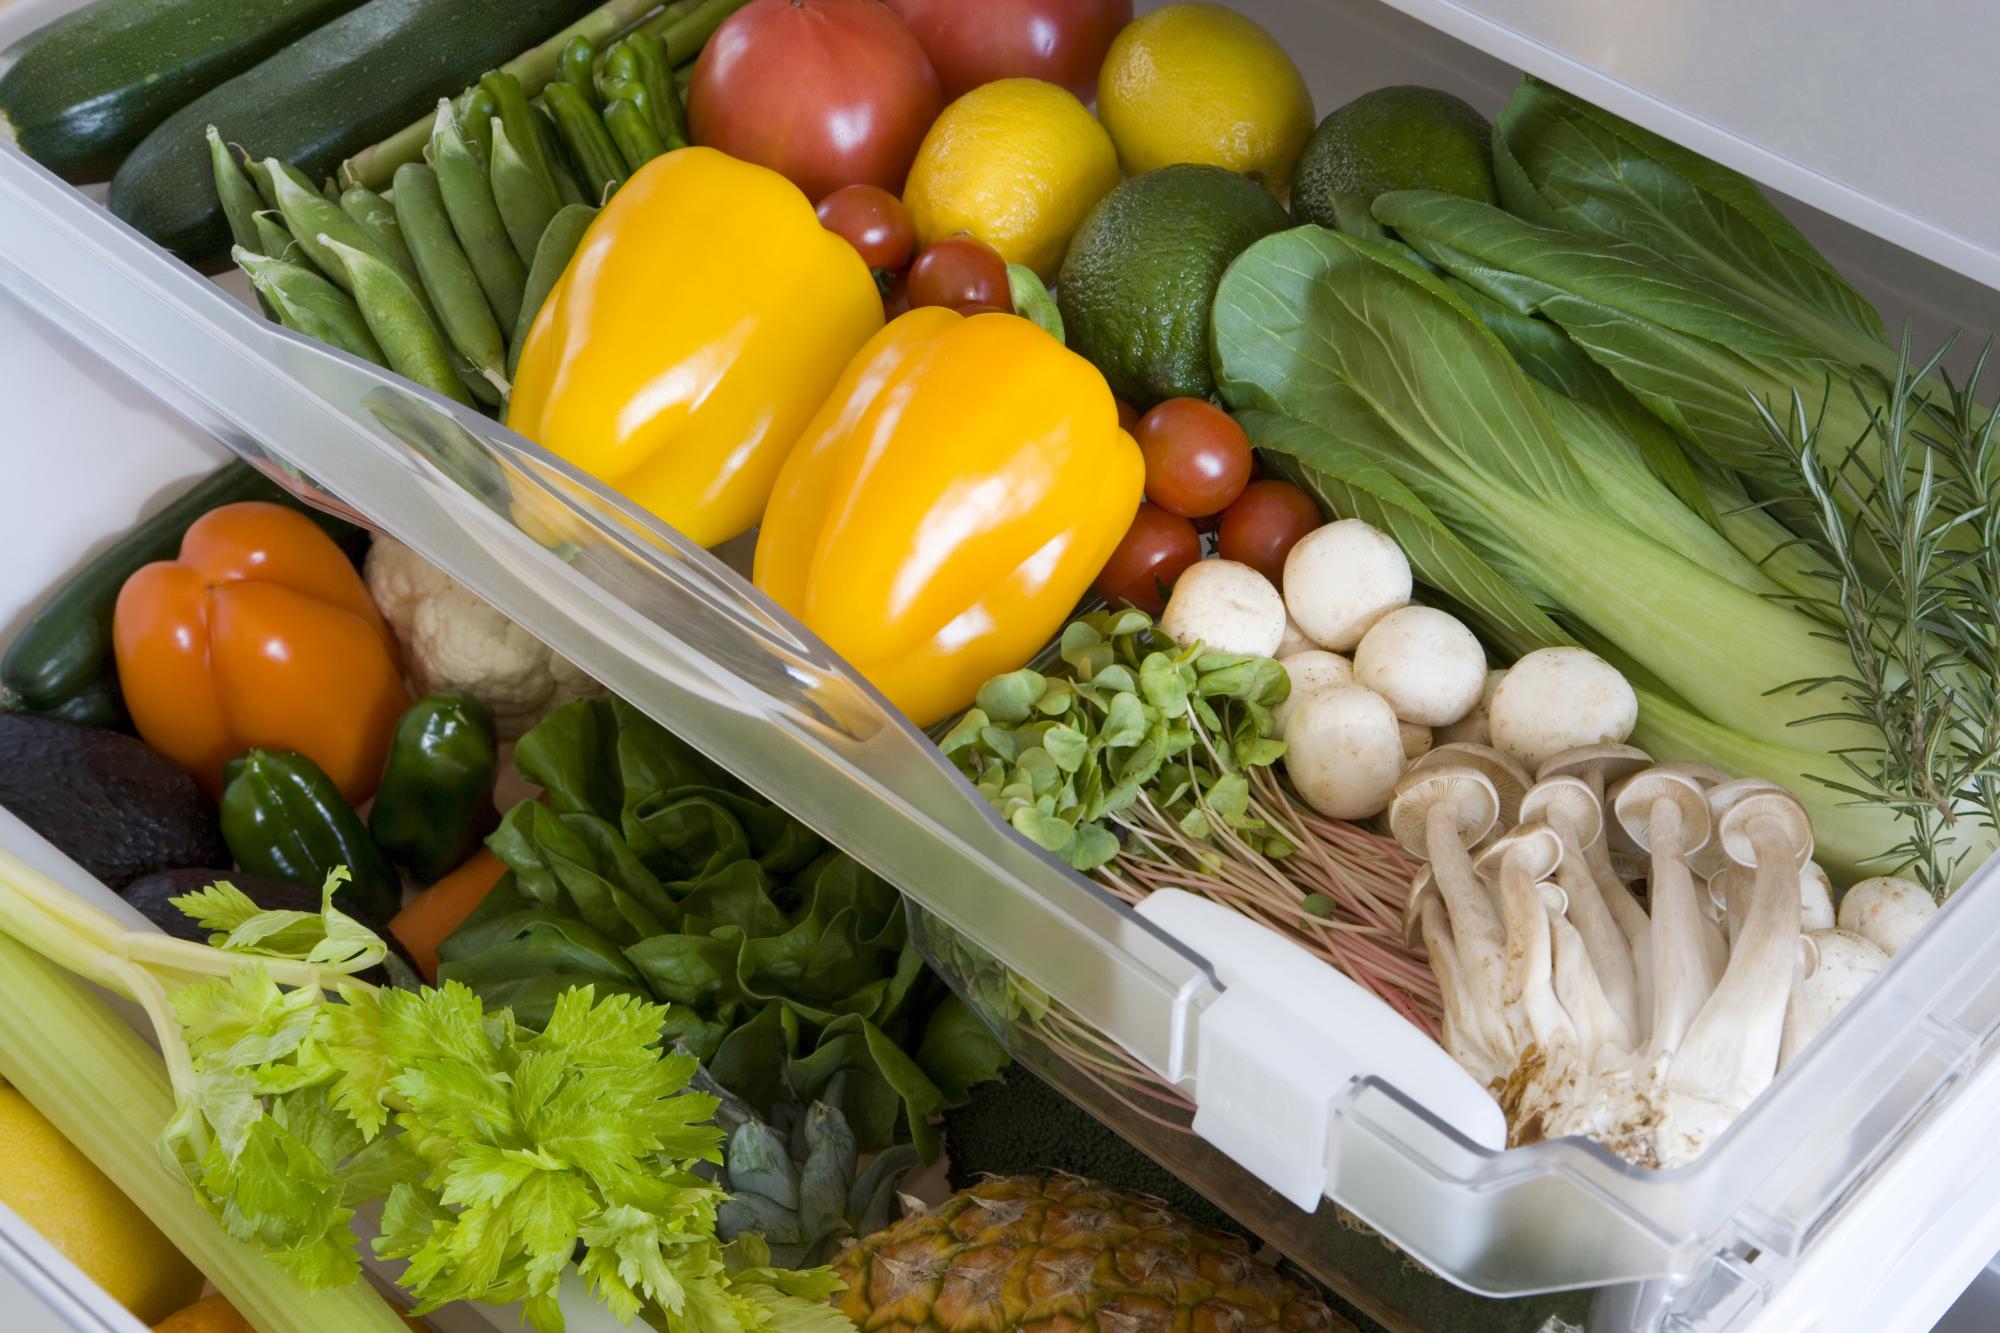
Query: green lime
1401	138
1141	273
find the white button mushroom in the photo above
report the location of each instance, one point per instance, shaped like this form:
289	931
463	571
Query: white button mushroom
1341	579
1834	967
1886	911
1343	752
1425	663
1227	607
1556	699
1417	741
1311	671
1295	640
1472	727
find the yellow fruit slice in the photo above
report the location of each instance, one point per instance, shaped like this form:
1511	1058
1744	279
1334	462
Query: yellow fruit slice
78	1210
1201	83
1016	163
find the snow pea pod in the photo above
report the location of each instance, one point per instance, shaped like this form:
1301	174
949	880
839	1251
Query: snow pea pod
410	338
447	273
468	199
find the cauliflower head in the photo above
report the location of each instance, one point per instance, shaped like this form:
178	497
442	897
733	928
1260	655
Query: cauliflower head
454	643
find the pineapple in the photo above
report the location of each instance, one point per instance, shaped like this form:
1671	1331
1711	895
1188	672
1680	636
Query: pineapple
1060	1254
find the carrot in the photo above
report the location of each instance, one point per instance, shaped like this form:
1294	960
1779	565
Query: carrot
433	914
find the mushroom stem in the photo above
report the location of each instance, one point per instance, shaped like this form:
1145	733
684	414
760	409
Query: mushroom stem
1600	1028
1475	927
1731	1050
1464	1023
1530	961
1681	980
1604	943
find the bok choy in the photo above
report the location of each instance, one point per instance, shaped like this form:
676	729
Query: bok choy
1362	373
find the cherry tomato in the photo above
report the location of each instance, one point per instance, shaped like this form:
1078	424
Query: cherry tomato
1155	549
960	271
873	221
971	42
982	308
1128	415
1197	457
1264	524
826	92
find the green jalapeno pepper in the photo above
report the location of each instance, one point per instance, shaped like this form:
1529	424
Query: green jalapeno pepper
436	798
283	817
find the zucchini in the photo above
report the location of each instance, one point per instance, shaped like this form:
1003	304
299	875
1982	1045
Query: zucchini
61	662
78	93
333	92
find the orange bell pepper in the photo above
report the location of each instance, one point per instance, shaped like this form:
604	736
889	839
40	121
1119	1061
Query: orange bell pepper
260	634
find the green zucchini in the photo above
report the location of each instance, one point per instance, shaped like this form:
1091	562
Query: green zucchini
78	93
61	662
333	92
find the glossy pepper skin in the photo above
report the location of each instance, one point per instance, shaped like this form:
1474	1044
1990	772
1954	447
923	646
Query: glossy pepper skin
283	817
699	325
436	798
260	633
952	501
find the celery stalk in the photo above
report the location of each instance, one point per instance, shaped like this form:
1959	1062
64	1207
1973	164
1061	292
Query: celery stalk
106	1090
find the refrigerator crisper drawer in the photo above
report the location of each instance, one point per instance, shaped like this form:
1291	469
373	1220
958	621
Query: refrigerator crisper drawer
1091	993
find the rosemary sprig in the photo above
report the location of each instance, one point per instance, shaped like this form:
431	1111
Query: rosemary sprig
1915	586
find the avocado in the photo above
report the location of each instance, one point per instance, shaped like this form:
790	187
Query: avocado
1400	138
1140	276
109	802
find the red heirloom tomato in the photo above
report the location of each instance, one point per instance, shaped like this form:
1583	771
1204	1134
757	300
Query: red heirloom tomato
1156	549
1264	524
971	42
826	92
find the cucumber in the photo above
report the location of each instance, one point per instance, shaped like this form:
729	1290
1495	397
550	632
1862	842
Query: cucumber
79	92
336	90
60	663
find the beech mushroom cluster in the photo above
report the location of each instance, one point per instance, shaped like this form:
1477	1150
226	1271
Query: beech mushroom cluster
1644	1017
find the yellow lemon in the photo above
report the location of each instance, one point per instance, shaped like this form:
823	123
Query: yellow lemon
1200	83
1016	163
78	1210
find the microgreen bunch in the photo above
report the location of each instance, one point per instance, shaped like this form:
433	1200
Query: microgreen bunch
1150	764
1124	714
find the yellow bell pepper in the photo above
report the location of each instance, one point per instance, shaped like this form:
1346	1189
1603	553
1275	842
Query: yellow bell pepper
952	501
699	325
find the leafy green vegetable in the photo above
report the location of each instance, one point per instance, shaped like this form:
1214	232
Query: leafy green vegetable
1525	507
1061	755
650	873
328	936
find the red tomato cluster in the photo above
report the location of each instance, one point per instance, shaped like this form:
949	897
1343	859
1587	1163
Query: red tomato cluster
1198	466
966	274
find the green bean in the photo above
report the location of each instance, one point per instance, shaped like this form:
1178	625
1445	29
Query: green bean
259	178
567	190
240	201
638	143
468	200
552	256
663	99
447	273
305	302
474	113
514	112
579	59
377	217
275	240
525	204
309	216
589	143
404	329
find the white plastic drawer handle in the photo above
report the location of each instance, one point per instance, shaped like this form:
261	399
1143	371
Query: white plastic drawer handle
1287	1036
